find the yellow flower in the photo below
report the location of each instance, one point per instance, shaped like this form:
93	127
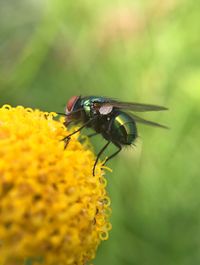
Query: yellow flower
51	206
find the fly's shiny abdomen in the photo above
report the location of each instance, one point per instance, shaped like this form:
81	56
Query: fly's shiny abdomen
123	129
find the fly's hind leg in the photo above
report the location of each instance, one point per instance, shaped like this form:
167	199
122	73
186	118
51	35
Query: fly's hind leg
82	140
92	134
115	153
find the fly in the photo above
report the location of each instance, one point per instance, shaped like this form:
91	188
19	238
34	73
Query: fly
110	118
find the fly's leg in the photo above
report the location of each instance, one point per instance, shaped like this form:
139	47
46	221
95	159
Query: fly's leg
114	154
92	134
99	154
89	136
68	137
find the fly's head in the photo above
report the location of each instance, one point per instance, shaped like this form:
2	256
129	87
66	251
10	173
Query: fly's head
73	110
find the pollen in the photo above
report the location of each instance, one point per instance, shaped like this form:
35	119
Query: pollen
52	209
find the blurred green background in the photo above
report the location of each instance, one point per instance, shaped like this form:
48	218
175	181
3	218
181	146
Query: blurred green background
143	51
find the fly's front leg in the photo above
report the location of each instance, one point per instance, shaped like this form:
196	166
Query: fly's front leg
68	137
66	140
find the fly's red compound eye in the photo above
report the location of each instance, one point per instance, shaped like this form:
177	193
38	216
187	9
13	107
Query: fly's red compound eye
71	103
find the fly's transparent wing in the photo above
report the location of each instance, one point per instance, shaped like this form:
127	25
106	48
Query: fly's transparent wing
137	107
146	122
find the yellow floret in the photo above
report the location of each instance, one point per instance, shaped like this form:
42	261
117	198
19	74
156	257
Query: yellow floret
52	209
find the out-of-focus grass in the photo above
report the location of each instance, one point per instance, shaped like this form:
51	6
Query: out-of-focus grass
146	51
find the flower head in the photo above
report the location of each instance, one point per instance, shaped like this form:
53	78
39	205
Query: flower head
51	206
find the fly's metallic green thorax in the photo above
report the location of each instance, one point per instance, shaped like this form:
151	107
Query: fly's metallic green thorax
94	99
87	105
